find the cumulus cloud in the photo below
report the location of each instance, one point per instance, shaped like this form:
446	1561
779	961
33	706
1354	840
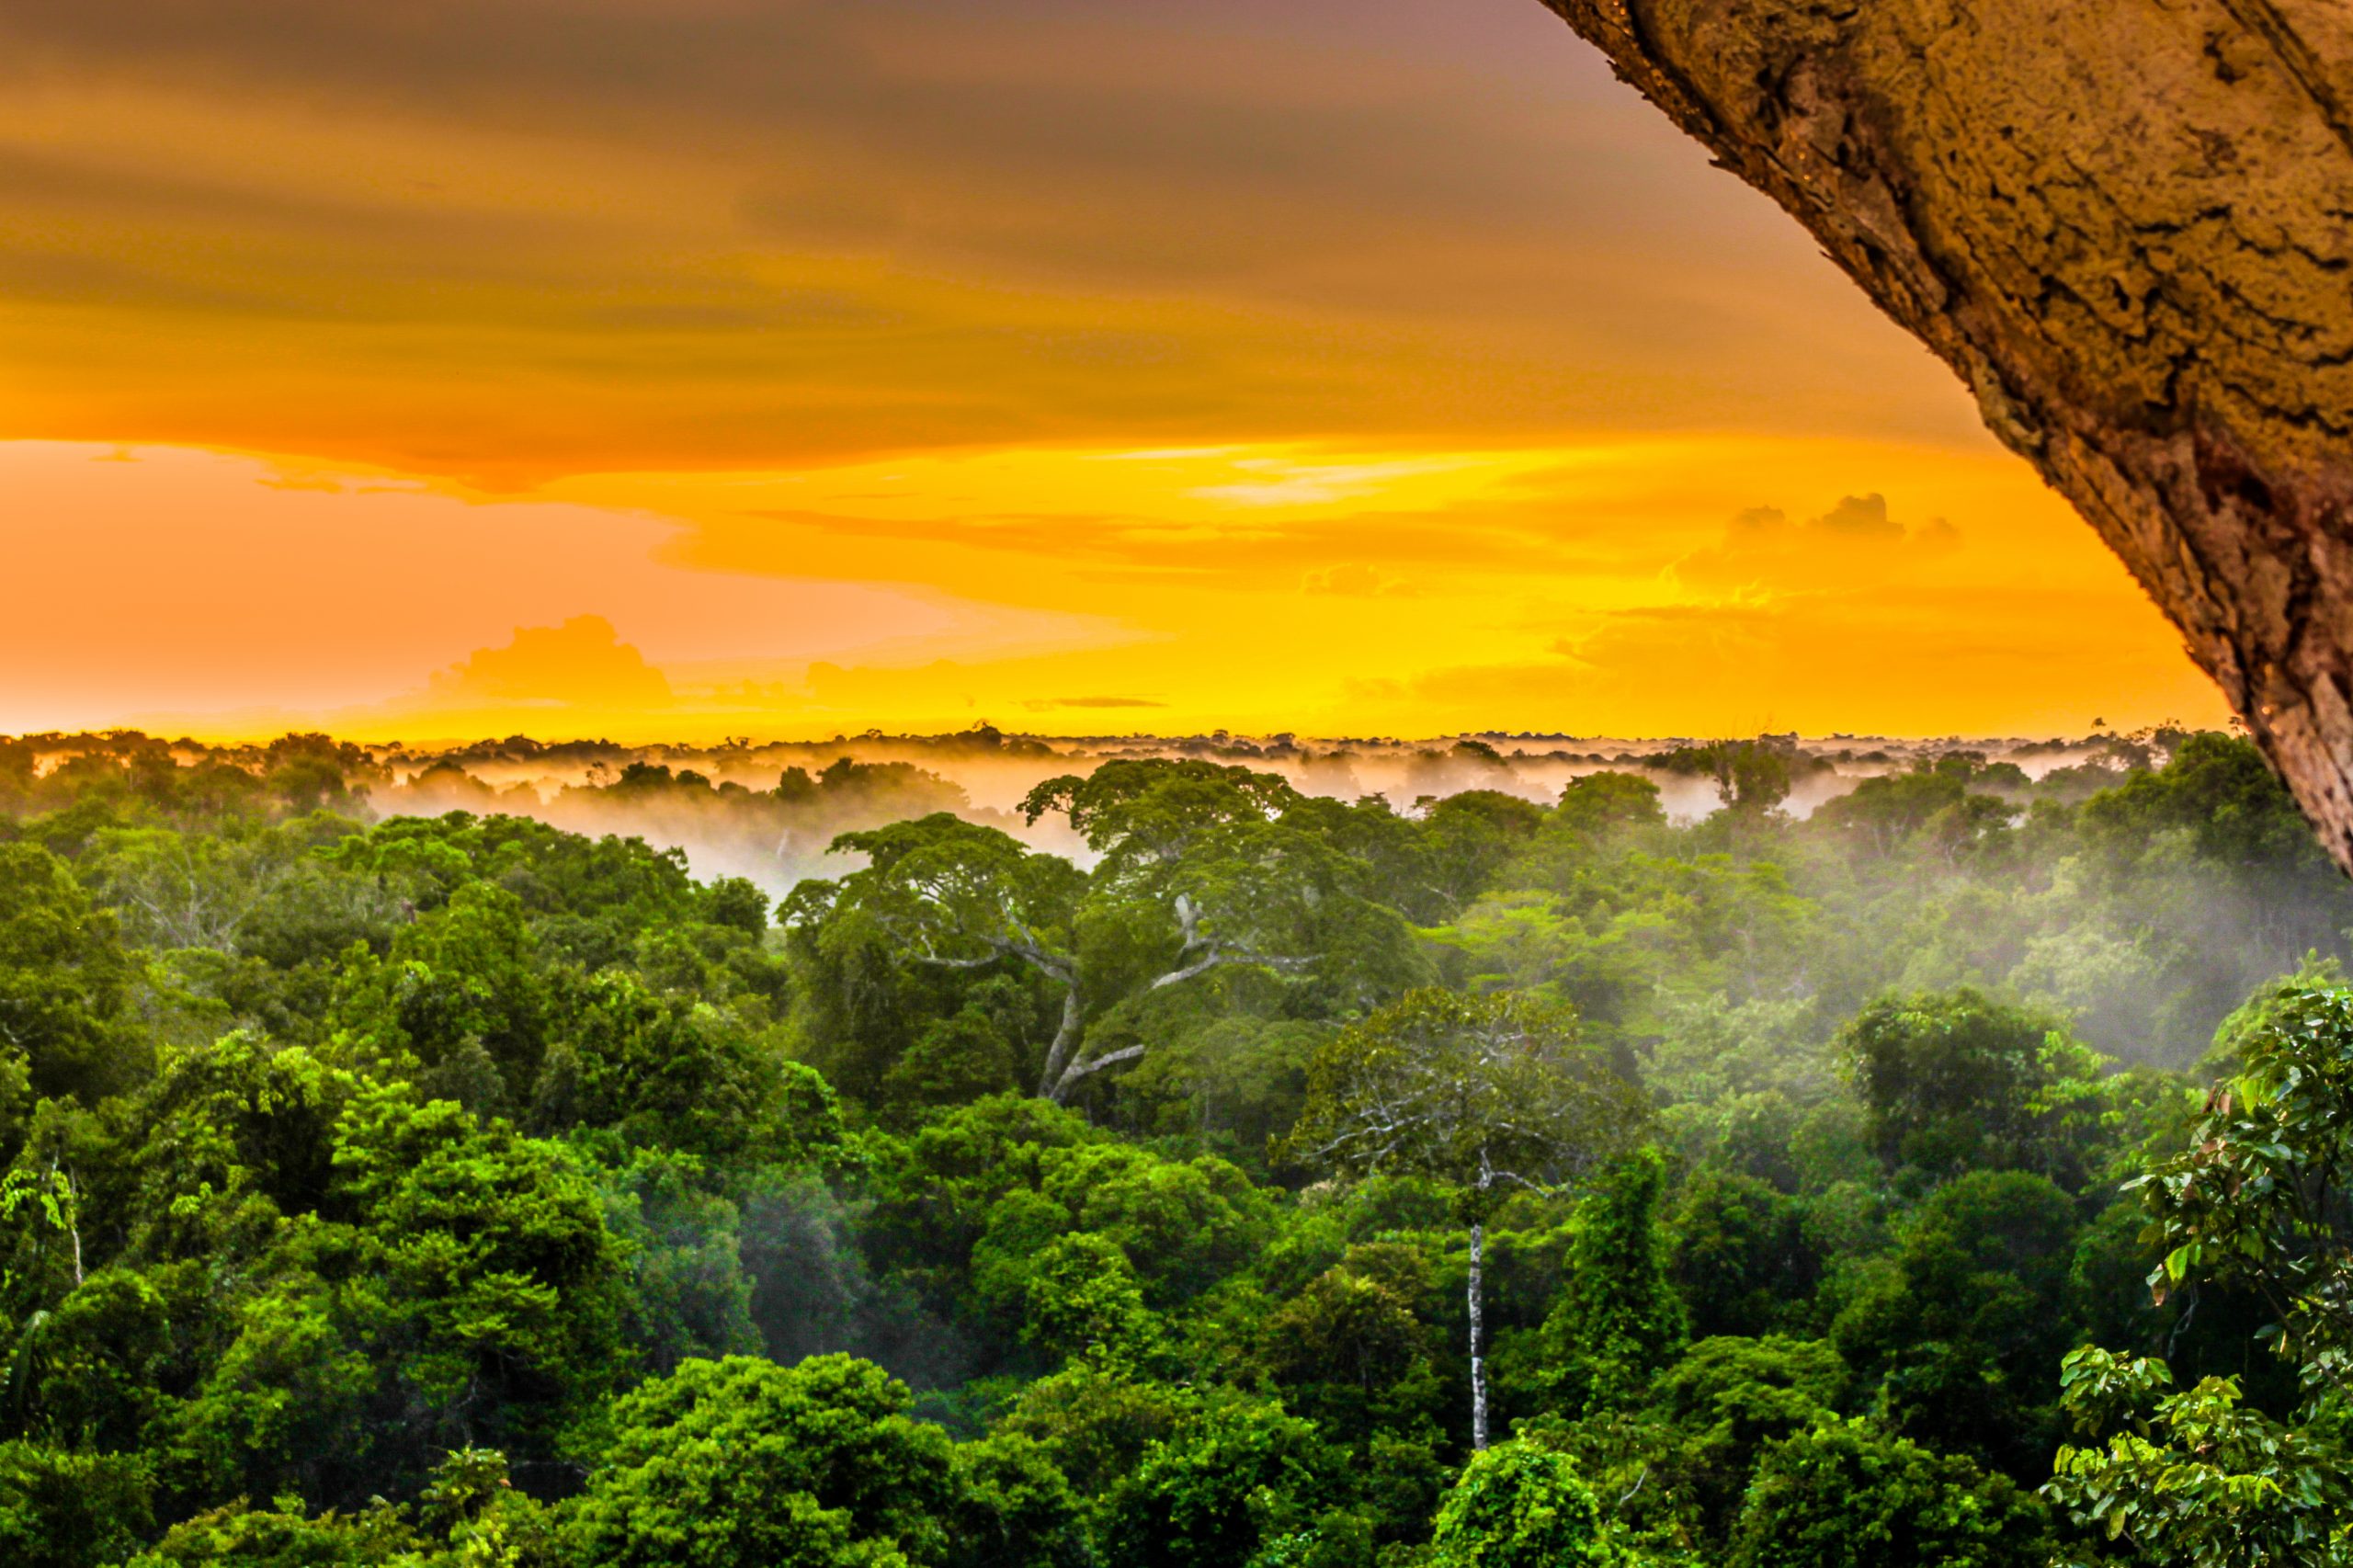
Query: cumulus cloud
1855	540
582	663
1860	517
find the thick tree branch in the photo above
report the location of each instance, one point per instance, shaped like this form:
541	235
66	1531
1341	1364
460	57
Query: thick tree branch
1078	1069
2129	227
1199	953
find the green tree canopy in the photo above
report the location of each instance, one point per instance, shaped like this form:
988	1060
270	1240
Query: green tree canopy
742	1463
63	980
1956	1080
1842	1495
1520	1506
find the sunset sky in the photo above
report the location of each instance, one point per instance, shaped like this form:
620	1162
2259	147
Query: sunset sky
666	368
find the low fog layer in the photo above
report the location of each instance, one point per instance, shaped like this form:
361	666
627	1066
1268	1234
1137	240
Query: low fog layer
2138	885
768	811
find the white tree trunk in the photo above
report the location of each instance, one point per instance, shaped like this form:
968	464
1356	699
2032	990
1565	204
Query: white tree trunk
1054	1083
1478	1326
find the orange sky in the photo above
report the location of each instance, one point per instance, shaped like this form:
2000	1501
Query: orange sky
673	368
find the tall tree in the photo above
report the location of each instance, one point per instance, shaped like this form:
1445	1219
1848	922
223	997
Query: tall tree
1204	850
1196	874
955	895
1490	1095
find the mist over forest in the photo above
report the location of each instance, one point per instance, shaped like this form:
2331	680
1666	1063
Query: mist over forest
1938	862
986	1149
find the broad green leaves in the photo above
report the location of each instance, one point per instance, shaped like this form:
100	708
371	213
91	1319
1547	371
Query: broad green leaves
2193	1476
2258	1201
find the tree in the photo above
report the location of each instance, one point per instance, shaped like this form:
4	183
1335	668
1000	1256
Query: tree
1619	1319
471	1515
90	1376
182	890
1517	1505
65	1509
742	1463
955	895
1490	1095
739	905
690	1294
1882	813
1622	930
1195	877
954	1062
1151	809
2194	1477
1351	1349
1957	1081
1199	869
64	979
1014	1507
481	941
1242	1475
670	1073
1751	777
2257	1200
484	1277
2217	788
2218	805
1840	1494
1471	835
241	1536
1727	1401
1965	1330
1081	1299
1739	1255
462	996
226	1123
2260	1197
1606	802
1096	1423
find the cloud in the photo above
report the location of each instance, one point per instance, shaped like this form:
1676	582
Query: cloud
518	238
1856	542
1353	581
173	580
582	663
1936	535
1543	585
1860	517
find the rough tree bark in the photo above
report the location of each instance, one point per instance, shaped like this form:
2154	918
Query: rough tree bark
2129	225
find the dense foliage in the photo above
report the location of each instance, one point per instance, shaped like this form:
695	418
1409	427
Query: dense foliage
463	1190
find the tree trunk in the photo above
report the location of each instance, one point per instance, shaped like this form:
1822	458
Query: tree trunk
1478	1323
1052	1084
2128	224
